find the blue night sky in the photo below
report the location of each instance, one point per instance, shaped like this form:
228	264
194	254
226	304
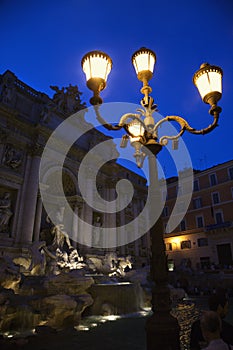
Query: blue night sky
43	42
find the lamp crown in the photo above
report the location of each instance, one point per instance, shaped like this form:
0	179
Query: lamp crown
143	50
205	68
96	53
204	65
143	61
208	80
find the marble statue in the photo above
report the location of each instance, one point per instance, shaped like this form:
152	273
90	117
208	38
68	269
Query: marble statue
5	210
67	99
38	261
60	237
110	264
97	231
59	96
60	254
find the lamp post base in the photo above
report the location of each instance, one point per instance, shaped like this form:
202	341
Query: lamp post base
162	332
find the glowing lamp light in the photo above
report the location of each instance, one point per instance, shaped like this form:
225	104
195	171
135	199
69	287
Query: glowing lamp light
136	130
97	66
136	133
208	80
144	60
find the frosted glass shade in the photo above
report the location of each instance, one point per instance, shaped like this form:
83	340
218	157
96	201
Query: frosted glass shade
96	64
144	60
136	130
208	80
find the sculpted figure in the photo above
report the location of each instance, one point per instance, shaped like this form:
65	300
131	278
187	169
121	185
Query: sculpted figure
68	99
5	209
12	157
59	97
60	237
97	230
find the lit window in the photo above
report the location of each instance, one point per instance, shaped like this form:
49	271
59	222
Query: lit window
215	198
202	242
185	244
170	265
213	180
168	246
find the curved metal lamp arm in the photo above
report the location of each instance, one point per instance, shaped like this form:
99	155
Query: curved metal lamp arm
186	127
184	124
215	111
103	122
122	122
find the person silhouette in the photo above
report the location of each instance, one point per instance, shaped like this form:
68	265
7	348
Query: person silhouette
211	325
218	302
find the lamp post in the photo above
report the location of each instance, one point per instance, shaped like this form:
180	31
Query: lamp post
142	130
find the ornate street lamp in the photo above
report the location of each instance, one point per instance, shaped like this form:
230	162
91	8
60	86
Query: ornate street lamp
96	65
142	130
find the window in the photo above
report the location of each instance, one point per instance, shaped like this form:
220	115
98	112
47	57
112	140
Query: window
164	195
199	221
197	203
213	180
215	198
185	244
196	185
178	190
180	207
170	265
168	246
183	225
167	227
205	262
165	211
202	242
230	172
219	217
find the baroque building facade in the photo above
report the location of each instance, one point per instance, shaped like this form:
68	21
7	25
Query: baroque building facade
204	238
27	119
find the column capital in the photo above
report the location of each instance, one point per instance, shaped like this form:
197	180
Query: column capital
35	149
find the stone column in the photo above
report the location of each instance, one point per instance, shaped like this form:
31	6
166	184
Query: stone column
36	236
81	249
113	216
135	214
29	198
76	226
88	211
121	229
